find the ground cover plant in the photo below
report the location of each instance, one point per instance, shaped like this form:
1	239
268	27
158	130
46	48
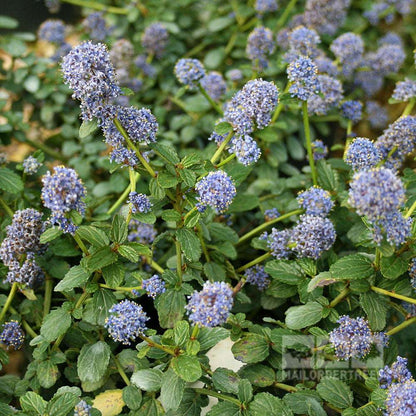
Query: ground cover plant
180	177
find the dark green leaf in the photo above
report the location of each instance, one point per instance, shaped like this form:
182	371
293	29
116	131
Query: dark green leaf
208	337
7	22
244	202
87	128
102	302
62	404
170	307
148	379
172	390
223	128
187	367
355	266
114	274
93	362
171	215
50	234
245	391
327	176
284	271
266	404
33	403
94	236
375	306
258	374
226	380
252	348
181	333
132	396
166	180
56	323
224	409
102	257
190	244
166	152
394	266
298	317
128	252
335	392
119	230
76	277
10	182
47	374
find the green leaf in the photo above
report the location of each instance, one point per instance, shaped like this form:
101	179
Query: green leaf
56	323
102	257
31	83
172	390
76	277
208	337
245	391
327	176
47	374
10	181
140	249
244	202
62	404
192	219
188	177
187	367
258	374
355	266
220	23
224	409
168	153
132	396
128	252
148	380
335	392
375	306
170	307
87	128
214	271
266	404
220	232
102	302
119	230
394	266
226	380
190	244
50	234
93	235
298	317
223	128
371	410
93	362
166	180
181	333
146	217
7	22
114	274
171	215
281	290
33	403
285	271
252	348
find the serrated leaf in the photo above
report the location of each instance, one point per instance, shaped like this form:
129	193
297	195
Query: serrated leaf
298	317
252	348
181	333
76	277
258	374
267	404
109	403
245	391
87	128
284	271
170	307
114	274
190	244
226	380
56	323
187	368
335	392
102	257
102	302
223	128
132	396
224	409
394	266
128	252
168	153
355	266
94	236
50	234
171	215
172	390
327	176
93	362
148	379
119	230
208	337
10	181
33	403
375	306
47	374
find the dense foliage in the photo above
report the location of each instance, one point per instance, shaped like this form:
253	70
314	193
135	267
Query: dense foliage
191	178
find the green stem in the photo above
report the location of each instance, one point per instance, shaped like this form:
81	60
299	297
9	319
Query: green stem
221	396
234	5
178	260
9	300
203	245
349	138
58	342
48	295
217	154
122	197
225	161
46	149
143	161
9	211
254	262
410	211
344	293
26	326
392	294
120	288
280	106
252	22
409	107
377	259
308	142
182	105
189	213
154	265
362	374
158	346
97	6
231	43
132	189
285	387
120	370
267	224
403	325
214	105
81	244
282	19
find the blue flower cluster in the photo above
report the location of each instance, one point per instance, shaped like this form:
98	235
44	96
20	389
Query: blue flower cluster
52	30
96	27
302	41
315	201
257	276
412	272
213	83
82	409
348	49
319	150
141	233
155	39
376	114
211	306
139	203
154	286
265	6
353	338
88	71
378	194
352	110
189	72
260	44
405	90
271	214
127	321
216	190
21	245
246	149
277	242
31	165
303	75
63	192
330	95
235	75
12	335
362	154
401	389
